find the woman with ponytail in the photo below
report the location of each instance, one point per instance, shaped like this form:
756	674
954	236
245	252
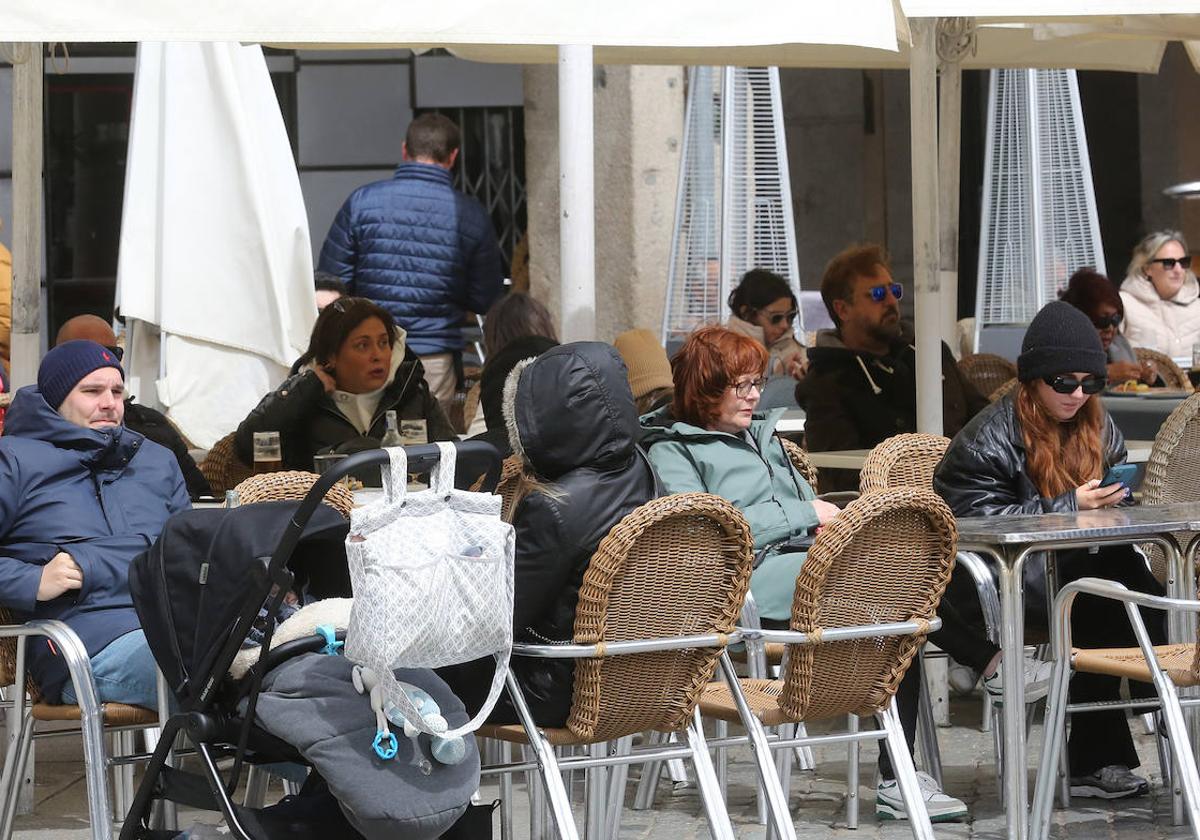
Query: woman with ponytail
1043	449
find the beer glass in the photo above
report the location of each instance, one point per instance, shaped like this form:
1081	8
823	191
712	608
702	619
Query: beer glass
268	457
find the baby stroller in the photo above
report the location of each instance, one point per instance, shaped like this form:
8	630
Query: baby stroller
209	580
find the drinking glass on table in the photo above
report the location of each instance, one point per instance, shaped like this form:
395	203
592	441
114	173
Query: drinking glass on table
268	456
1194	373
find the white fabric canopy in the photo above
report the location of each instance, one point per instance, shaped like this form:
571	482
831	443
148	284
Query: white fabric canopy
661	23
214	251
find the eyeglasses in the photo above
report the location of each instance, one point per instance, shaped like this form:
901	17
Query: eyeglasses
879	293
1113	320
777	318
1064	384
742	389
1169	262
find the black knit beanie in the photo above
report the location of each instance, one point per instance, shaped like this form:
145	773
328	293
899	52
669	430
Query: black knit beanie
1061	339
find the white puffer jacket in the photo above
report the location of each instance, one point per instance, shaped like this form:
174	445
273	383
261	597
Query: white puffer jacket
1168	326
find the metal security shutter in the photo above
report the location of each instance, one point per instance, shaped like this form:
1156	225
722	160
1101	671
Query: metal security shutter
733	208
1039	208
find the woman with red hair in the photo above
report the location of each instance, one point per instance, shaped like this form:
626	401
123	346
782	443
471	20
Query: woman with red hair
711	440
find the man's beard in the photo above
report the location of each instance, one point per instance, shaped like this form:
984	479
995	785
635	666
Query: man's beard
887	330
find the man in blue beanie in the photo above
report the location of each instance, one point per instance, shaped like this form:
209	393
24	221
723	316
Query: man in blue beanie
80	497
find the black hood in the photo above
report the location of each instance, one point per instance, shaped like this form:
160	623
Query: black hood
571	407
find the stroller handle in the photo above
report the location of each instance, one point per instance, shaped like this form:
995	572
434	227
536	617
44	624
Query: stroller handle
420	458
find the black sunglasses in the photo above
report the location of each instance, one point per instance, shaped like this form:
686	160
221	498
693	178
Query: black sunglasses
1065	384
777	318
879	293
1169	262
1113	320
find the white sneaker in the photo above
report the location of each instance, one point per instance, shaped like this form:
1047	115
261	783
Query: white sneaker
962	678
889	805
1037	680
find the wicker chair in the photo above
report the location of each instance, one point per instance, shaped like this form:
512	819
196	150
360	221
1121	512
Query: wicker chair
986	371
906	460
222	467
506	487
1167	667
1173	471
1003	390
678	566
1172	375
800	461
906	536
290	485
93	718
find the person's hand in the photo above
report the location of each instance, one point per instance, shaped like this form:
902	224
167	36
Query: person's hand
797	367
1149	373
60	575
825	510
1091	495
1119	372
327	381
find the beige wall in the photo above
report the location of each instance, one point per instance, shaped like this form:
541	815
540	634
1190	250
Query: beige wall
639	134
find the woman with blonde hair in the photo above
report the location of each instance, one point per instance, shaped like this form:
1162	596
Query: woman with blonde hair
1161	296
1044	448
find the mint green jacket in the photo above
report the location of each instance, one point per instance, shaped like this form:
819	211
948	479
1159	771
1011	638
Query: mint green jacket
759	480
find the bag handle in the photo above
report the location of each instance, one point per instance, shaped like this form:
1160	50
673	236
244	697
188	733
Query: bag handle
395	478
412	715
441	477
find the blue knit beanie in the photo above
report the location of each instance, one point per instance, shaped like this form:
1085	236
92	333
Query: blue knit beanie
66	364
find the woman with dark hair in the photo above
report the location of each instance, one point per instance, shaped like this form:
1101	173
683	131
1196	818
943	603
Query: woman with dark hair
1043	448
516	327
764	309
1095	296
356	369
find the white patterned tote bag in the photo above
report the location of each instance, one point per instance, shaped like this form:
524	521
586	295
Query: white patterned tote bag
432	573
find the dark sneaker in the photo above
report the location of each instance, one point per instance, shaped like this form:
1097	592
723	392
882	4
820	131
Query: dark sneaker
1116	781
889	805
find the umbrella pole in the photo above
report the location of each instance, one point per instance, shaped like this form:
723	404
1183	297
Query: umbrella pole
25	345
576	195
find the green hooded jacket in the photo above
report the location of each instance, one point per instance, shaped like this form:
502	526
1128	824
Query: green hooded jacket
756	477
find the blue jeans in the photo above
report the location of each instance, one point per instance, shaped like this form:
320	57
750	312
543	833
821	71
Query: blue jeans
125	672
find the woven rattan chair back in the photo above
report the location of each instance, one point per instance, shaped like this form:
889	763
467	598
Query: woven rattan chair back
8	659
506	487
290	485
886	558
799	459
1173	471
1172	375
986	371
906	460
1003	390
221	466
677	566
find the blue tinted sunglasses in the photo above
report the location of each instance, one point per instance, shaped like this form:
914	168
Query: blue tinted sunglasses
879	293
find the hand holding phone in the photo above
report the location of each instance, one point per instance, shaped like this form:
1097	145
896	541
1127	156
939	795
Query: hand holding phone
1119	474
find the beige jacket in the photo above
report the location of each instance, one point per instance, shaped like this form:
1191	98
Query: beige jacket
1168	326
783	351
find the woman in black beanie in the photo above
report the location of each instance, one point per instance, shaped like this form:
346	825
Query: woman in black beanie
1043	449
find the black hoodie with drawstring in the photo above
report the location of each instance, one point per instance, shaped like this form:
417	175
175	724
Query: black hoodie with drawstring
854	400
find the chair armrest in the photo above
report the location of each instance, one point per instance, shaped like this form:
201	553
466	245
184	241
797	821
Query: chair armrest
842	634
574	651
70	648
1103	588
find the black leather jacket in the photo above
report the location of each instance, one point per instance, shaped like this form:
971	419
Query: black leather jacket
577	425
983	470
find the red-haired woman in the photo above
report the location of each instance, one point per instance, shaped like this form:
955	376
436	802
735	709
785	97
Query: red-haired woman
1043	449
1094	294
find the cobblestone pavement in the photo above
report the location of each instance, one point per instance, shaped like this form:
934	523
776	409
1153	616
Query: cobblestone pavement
817	801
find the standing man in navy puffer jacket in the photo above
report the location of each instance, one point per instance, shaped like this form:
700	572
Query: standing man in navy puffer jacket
422	250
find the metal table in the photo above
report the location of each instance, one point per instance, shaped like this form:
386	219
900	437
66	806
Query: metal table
1140	415
840	459
1008	541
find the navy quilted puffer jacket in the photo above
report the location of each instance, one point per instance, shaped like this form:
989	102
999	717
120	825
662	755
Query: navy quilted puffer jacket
421	249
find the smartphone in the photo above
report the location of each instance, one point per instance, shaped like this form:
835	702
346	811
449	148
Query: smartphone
1119	474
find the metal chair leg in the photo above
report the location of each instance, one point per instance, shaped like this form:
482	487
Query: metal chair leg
927	731
706	778
539	807
652	771
804	755
852	781
596	782
618	779
122	744
906	774
504	750
14	766
257	780
1052	747
721	730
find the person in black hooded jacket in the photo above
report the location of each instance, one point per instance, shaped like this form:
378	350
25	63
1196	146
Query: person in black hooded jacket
572	421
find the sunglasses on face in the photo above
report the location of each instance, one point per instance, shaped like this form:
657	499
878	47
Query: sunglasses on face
879	293
742	389
1113	320
777	318
1065	384
1169	262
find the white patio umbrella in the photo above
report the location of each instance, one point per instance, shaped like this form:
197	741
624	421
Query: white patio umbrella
215	268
